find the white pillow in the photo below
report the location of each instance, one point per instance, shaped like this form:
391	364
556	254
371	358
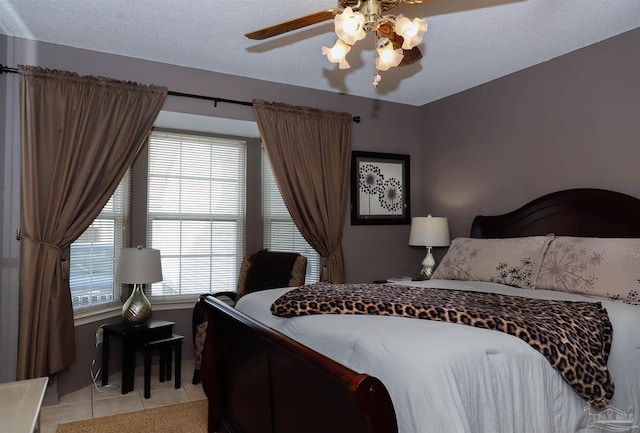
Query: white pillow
511	261
606	267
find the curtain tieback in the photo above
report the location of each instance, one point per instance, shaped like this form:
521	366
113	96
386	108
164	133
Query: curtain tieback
329	258
20	237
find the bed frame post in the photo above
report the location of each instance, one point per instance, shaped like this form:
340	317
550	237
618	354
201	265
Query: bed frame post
258	380
210	381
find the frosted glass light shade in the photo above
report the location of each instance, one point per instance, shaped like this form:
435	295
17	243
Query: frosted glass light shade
337	54
429	232
411	31
139	266
388	57
349	26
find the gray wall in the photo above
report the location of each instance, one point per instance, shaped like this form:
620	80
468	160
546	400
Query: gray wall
570	122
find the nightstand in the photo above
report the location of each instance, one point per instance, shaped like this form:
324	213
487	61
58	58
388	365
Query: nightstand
393	280
132	337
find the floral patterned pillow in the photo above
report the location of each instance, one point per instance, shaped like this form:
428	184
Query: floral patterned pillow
514	261
606	267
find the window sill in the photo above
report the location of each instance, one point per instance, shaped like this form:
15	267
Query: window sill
111	311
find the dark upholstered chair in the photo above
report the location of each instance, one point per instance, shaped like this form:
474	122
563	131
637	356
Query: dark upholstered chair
260	271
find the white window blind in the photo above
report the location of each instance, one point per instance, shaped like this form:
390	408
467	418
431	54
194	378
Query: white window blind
93	254
280	232
196	212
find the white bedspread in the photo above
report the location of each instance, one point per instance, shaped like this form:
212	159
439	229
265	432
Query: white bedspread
449	378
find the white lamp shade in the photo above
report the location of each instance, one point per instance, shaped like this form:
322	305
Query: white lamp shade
411	31
139	266
349	26
429	232
387	56
337	54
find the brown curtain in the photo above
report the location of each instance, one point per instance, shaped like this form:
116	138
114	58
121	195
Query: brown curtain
310	152
78	136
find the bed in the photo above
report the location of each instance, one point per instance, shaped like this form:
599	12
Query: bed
367	373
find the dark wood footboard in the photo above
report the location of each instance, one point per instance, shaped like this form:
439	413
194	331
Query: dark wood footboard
258	380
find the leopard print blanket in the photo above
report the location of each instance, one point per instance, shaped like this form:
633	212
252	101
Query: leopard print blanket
575	337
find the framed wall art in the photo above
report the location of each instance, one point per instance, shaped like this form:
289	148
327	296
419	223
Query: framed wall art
379	188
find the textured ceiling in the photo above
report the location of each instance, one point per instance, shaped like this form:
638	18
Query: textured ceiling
469	42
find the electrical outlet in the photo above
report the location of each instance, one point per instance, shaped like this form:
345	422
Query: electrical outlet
99	337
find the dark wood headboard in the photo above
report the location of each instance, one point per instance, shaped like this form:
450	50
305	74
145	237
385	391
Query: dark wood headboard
575	212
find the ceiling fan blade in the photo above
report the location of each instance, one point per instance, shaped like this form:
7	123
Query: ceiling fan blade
297	23
411	56
386	30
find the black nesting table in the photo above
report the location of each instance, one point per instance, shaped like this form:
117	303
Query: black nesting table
132	337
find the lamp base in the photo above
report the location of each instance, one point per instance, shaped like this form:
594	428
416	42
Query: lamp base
425	274
137	309
427	267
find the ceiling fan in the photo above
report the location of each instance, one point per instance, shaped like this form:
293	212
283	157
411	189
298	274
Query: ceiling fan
396	37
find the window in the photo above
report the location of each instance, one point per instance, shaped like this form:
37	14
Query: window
196	212
280	232
93	254
196	217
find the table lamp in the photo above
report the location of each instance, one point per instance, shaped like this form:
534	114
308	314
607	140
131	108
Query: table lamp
429	232
138	266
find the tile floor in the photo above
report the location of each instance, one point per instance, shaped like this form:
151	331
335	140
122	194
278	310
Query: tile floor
90	402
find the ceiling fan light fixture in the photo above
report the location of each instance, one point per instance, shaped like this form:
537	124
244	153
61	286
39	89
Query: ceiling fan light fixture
387	56
372	11
337	54
411	31
349	26
396	37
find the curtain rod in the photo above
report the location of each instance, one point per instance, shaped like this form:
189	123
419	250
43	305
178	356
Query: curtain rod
215	100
